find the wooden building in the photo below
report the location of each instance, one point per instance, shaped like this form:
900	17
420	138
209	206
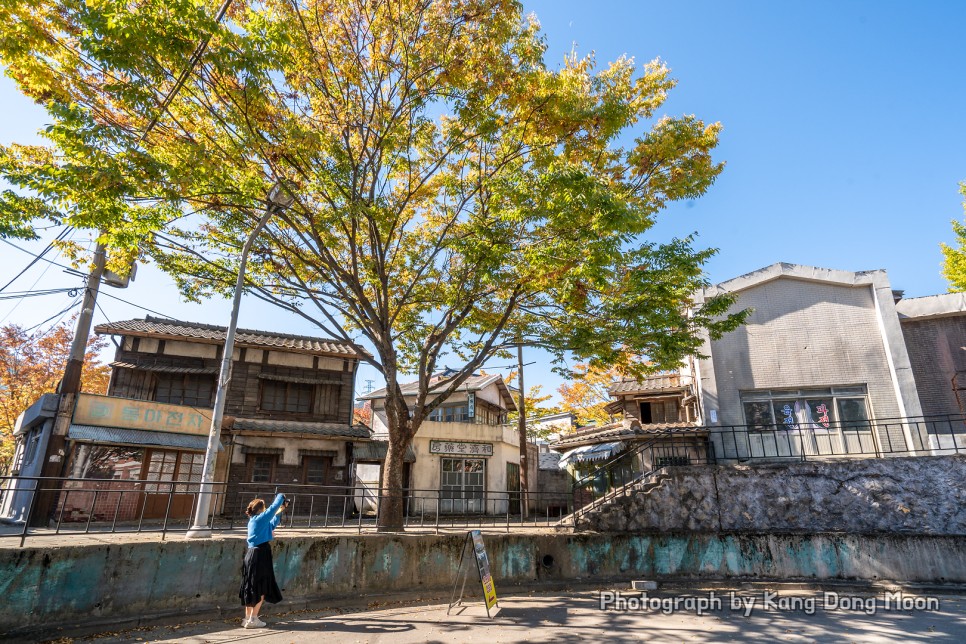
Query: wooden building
288	415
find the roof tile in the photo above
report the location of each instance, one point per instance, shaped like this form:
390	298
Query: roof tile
211	334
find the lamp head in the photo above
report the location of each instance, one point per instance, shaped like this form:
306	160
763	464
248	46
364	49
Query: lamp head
281	195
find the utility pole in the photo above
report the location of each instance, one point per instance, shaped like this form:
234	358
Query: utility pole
522	431
70	386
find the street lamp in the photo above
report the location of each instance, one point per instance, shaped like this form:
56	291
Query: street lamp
279	198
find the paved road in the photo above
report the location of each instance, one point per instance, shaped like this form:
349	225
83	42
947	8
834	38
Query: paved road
577	617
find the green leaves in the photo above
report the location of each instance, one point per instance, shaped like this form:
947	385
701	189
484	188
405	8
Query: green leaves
454	193
954	259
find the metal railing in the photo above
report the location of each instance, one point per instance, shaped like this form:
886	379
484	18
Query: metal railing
637	466
108	506
881	437
633	468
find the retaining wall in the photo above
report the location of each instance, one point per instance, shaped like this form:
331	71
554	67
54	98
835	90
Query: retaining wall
44	588
908	495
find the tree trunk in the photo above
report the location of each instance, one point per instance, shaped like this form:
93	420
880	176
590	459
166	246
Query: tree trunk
392	493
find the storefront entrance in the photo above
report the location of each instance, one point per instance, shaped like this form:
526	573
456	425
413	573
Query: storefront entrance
171	465
462	485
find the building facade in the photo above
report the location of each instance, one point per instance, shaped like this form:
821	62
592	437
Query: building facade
288	421
466	458
821	367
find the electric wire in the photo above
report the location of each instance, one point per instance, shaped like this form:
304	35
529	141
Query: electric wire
66	231
138	306
61	313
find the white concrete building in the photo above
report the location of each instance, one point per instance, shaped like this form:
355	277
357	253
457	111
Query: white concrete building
467	459
822	351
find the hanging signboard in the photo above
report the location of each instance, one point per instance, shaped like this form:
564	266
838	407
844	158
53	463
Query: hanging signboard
474	544
470	404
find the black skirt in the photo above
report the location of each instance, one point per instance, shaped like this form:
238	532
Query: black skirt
258	577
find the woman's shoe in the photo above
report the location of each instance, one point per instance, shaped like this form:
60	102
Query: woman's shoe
254	622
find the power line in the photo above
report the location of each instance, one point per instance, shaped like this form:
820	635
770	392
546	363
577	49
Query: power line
61	313
72	271
60	237
143	308
192	63
52	291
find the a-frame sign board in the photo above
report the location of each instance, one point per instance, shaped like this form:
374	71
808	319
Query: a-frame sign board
474	543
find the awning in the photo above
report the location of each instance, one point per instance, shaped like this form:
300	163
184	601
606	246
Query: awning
164	368
588	453
375	451
301	380
139	437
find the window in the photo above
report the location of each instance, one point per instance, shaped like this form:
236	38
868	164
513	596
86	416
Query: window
818	409
184	389
660	411
451	414
262	468
288	397
315	469
668	461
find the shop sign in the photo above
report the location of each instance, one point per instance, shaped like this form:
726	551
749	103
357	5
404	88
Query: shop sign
107	411
460	448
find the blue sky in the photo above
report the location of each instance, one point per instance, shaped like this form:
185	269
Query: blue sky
843	137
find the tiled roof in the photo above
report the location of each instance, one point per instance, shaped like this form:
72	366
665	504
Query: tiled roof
618	431
548	461
659	382
475	382
211	334
331	430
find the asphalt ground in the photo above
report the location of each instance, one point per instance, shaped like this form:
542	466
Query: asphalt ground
792	614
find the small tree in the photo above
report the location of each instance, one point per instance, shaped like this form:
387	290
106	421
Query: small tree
954	259
586	395
31	365
454	195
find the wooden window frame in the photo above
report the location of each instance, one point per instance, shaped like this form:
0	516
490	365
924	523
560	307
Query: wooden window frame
326	469
313	389
273	464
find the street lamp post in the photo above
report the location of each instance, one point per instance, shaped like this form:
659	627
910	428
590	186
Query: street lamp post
279	198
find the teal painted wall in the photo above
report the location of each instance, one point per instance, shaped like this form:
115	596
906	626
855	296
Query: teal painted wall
66	586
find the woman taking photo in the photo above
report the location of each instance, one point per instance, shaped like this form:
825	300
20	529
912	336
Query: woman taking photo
258	577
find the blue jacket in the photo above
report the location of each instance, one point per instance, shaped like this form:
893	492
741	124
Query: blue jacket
260	526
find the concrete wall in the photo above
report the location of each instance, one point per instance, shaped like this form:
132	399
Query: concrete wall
937	349
811	327
426	469
921	495
126	584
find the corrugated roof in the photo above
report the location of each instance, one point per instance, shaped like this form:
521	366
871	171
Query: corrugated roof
619	431
333	430
211	334
475	382
657	382
376	451
140	437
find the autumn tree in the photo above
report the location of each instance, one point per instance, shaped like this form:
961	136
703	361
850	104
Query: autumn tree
454	194
954	259
32	365
586	395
